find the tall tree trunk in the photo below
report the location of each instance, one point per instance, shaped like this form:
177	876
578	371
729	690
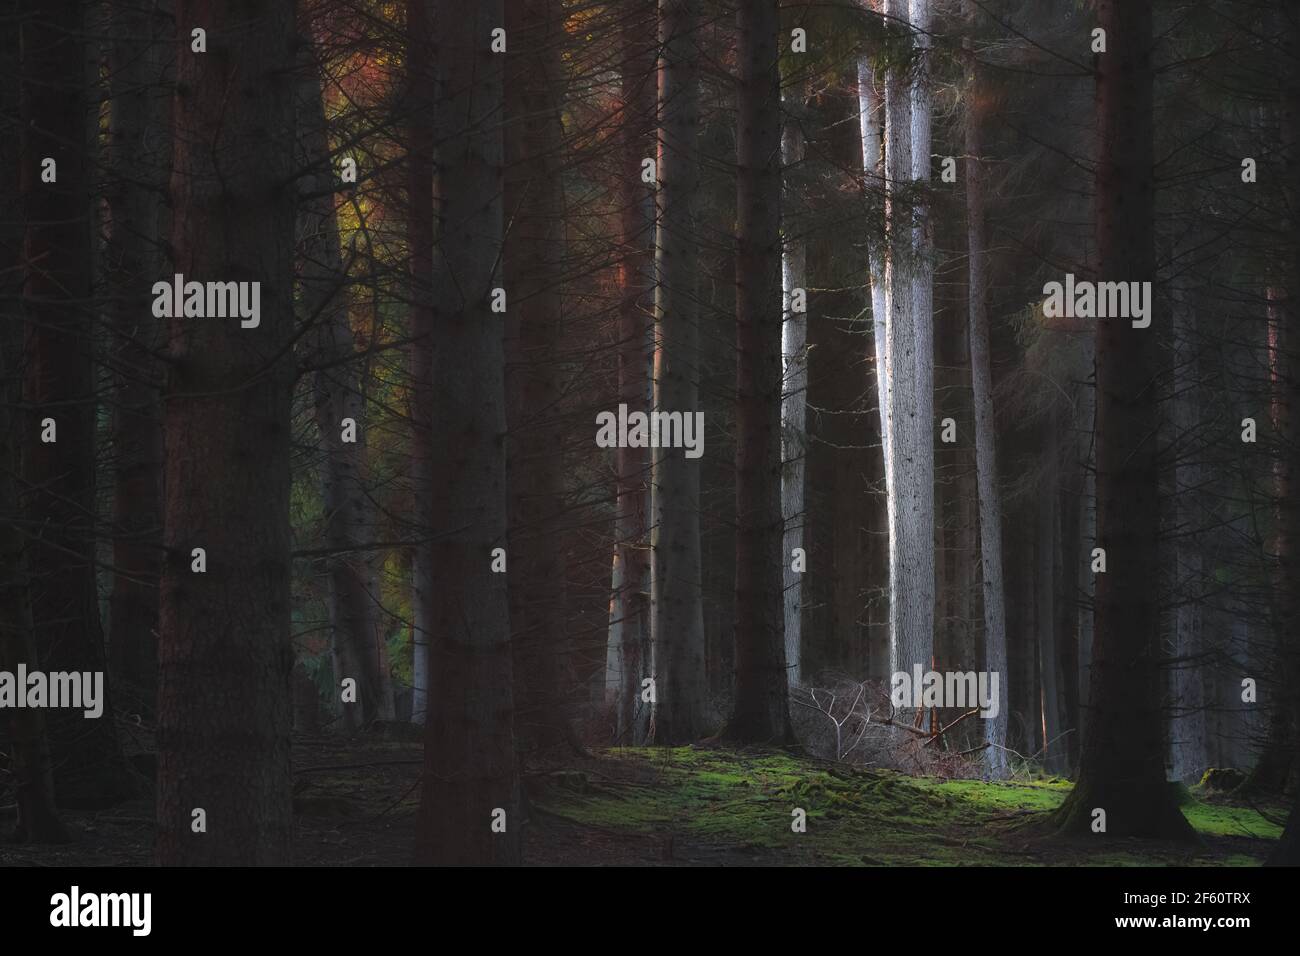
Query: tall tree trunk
1187	727
986	467
139	160
676	598
794	398
1045	610
225	655
762	704
59	385
469	809
338	401
29	746
1122	765
911	536
1287	851
421	188
921	497
869	108
533	265
628	646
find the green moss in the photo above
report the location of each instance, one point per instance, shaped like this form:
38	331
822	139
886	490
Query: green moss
731	802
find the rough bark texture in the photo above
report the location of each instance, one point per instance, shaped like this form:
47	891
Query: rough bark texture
224	704
1187	726
469	808
794	393
986	468
869	108
58	477
911	534
628	647
139	159
533	265
29	748
676	602
762	707
1122	765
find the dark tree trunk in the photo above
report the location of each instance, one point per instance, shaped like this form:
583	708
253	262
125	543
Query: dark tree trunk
1287	851
355	638
471	784
762	706
628	652
676	604
224	703
1122	763
59	476
29	747
421	187
140	162
533	265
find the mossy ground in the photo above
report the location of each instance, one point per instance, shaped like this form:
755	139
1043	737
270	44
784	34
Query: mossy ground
699	805
356	799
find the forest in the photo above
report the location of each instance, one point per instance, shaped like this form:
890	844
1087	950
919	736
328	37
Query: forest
649	433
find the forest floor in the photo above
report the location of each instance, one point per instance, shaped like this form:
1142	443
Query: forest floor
356	800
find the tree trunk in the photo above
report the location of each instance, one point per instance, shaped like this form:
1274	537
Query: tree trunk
29	746
1187	726
1045	612
534	264
986	467
762	705
337	400
920	564
421	189
225	655
869	108
676	599
628	646
59	385
911	458
469	809
1287	852
794	400
1122	765
140	160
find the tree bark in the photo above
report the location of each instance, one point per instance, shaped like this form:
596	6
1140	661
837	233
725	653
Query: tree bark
676	599
59	476
986	467
29	745
1122	764
139	160
469	808
225	655
337	397
628	646
421	187
533	265
762	705
794	396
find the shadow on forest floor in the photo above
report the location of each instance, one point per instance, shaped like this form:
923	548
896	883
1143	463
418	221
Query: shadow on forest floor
356	800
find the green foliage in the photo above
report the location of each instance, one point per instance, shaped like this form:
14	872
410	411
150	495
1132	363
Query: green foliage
743	801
